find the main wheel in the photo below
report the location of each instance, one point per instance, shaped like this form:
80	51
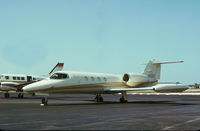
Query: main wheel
122	100
20	95
99	98
6	95
33	94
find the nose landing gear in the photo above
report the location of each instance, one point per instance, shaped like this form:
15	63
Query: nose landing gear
44	101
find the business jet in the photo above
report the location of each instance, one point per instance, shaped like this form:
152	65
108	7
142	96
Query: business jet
69	82
15	82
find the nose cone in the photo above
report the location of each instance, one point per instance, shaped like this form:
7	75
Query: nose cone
34	87
40	86
30	87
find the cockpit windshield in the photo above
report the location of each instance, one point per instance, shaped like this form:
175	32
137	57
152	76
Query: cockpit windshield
59	76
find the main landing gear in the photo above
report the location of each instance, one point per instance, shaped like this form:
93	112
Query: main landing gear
20	95
6	95
98	98
33	94
44	101
124	98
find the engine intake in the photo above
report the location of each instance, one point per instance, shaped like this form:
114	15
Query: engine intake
126	77
133	80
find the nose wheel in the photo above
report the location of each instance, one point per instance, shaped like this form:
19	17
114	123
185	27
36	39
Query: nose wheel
44	101
98	98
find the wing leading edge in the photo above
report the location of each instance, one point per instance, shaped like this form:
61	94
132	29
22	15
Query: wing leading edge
163	88
117	90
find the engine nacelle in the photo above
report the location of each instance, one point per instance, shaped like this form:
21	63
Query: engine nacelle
6	86
133	80
169	88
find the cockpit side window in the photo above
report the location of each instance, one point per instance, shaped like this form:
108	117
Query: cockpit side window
59	76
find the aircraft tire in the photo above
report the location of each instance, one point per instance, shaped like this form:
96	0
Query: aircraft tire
6	95
44	100
20	95
101	99
122	100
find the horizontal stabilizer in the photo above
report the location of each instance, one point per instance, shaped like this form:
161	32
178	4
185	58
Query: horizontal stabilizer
152	69
155	62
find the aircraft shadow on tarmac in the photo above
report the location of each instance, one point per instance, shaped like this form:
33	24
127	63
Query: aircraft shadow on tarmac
155	103
92	102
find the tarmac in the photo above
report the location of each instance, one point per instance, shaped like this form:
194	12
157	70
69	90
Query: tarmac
81	112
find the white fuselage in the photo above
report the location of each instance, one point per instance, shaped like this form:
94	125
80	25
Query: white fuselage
68	82
77	82
91	83
10	81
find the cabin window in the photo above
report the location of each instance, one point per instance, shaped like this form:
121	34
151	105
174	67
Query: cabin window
59	76
92	78
22	78
14	78
18	78
99	79
7	77
86	78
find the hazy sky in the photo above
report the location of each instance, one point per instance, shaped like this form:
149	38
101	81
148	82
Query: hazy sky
108	36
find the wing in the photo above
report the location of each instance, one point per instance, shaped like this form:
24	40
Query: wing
118	90
20	86
163	88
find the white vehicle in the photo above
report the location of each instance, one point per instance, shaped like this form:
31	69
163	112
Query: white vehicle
12	82
68	82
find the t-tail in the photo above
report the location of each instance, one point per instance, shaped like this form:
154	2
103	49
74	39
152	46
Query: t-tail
153	68
58	67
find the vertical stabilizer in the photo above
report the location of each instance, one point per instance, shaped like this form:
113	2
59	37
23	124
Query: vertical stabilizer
58	67
153	68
